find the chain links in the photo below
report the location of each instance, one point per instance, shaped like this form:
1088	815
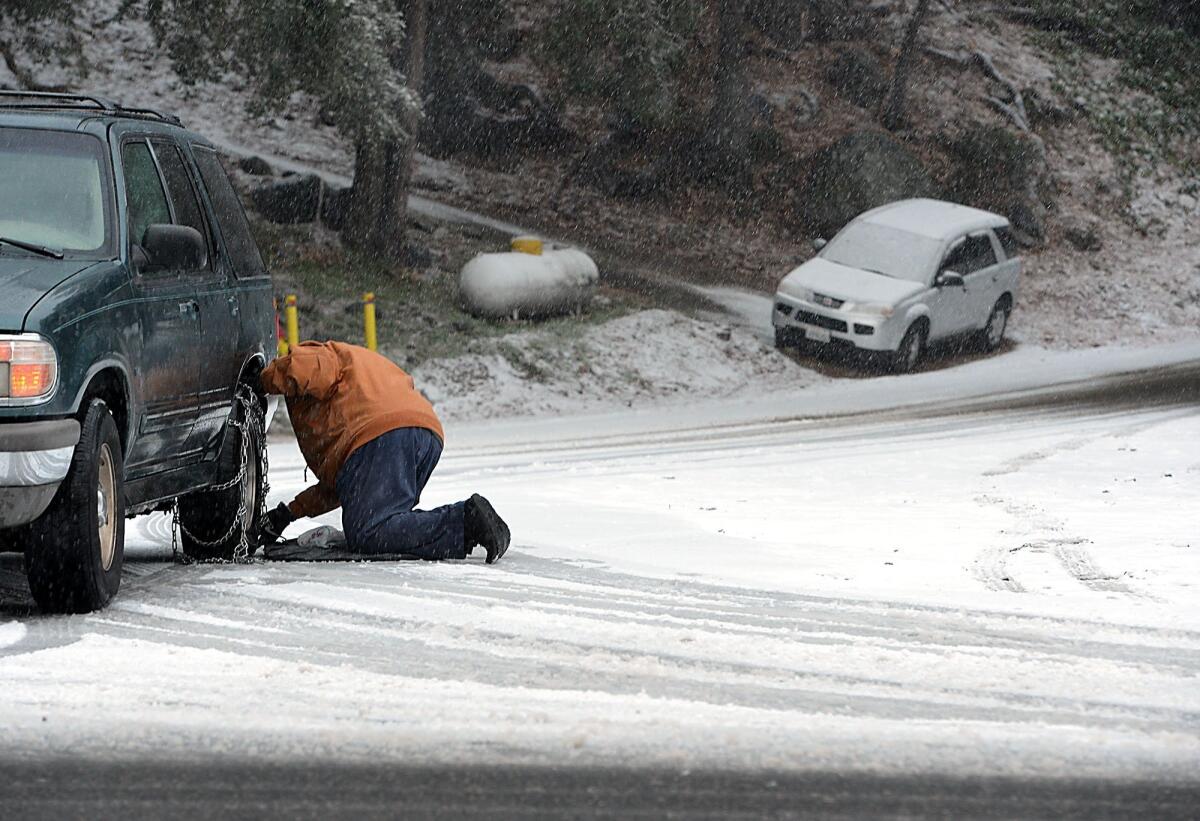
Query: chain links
241	554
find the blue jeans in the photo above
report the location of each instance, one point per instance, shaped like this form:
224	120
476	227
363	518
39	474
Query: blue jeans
379	486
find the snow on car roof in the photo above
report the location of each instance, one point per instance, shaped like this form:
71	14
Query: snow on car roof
935	219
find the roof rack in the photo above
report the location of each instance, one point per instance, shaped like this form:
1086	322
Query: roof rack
46	100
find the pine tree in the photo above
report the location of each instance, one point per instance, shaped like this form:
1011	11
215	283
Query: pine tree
627	53
349	55
43	29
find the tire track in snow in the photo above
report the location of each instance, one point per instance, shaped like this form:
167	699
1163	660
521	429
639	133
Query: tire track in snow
991	568
1023	460
991	565
1080	564
548	624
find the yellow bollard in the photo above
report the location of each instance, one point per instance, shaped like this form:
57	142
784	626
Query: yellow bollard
281	345
369	321
293	321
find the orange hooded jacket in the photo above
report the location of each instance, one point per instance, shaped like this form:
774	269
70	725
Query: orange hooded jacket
340	397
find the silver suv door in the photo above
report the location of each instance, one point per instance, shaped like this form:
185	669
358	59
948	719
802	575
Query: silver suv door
965	307
948	303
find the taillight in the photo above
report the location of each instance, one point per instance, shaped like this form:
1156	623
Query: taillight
31	365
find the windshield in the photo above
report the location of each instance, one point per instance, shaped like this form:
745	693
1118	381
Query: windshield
884	250
52	190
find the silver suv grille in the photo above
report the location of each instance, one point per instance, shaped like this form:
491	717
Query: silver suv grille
827	301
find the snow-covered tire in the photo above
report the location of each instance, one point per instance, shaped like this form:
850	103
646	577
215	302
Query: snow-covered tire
77	547
208	530
992	335
911	349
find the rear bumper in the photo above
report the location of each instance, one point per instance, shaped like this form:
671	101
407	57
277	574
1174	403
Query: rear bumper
34	459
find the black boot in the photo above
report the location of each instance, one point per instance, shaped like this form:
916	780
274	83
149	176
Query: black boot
483	525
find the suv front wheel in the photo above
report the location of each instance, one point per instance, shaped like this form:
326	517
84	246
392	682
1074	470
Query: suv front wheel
77	547
911	349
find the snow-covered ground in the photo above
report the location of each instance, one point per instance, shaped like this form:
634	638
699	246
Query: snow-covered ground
950	590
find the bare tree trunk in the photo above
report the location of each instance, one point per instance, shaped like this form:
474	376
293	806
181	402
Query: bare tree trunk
416	19
893	112
731	121
378	214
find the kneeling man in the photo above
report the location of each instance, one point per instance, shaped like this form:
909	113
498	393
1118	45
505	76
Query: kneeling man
372	440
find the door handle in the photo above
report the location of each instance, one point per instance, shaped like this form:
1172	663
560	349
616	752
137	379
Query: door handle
234	307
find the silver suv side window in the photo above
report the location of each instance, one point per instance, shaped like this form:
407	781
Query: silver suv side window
1008	242
143	189
973	254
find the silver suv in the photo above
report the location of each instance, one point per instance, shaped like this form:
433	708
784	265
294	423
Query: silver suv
901	276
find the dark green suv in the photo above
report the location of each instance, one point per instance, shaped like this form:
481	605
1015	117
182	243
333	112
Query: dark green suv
135	316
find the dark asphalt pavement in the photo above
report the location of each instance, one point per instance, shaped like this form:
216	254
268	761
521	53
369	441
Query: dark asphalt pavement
101	790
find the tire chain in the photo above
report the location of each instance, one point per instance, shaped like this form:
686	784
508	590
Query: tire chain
241	553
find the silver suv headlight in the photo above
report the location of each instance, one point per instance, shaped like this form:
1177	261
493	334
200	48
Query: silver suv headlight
875	309
28	367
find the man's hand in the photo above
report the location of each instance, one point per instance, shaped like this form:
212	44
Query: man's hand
274	524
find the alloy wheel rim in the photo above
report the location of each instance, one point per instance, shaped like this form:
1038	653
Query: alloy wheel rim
106	515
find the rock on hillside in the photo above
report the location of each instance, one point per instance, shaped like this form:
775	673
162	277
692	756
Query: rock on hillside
861	171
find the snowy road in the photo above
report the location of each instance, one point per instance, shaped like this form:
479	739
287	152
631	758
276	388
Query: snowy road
1000	593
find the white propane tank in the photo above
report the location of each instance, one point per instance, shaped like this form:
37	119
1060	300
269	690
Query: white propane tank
531	282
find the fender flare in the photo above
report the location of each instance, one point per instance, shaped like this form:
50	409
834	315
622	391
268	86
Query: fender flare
916	312
118	363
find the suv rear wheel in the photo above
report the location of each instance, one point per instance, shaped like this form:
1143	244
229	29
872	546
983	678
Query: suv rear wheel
214	522
77	547
993	333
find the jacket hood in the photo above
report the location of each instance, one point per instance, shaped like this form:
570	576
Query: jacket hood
849	284
25	279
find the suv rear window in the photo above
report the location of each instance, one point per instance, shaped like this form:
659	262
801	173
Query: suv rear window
974	254
54	190
243	252
1008	242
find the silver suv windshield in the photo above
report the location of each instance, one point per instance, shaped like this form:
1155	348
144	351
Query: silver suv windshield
53	191
884	250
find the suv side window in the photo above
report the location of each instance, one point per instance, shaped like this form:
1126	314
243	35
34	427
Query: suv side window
974	254
143	189
183	195
1008	242
243	252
